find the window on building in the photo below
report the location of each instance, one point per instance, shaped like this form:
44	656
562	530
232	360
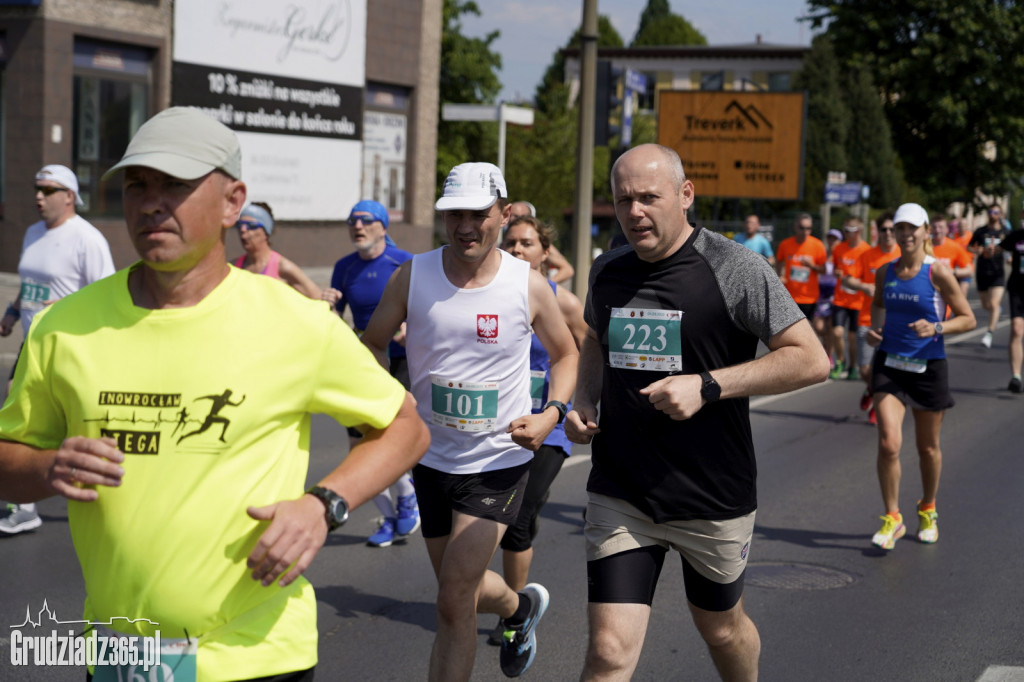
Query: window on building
712	80
385	146
111	102
779	81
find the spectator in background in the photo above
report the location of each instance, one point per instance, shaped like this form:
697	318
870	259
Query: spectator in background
358	282
799	261
949	252
822	322
754	240
556	266
846	301
862	278
1013	244
255	225
60	254
990	267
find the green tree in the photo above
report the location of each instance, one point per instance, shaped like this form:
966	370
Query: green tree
827	119
669	30
869	150
468	76
948	69
554	76
540	161
656	9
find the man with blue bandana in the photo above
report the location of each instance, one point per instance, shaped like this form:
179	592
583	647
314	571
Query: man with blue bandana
358	282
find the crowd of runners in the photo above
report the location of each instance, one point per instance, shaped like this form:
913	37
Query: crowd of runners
465	380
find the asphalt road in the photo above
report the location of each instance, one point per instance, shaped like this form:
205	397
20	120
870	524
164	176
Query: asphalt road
827	604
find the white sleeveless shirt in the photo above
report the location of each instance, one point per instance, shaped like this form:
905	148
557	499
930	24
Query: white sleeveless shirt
469	363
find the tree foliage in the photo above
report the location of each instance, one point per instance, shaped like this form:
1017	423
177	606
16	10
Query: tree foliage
554	76
948	69
869	149
656	9
828	121
669	30
468	76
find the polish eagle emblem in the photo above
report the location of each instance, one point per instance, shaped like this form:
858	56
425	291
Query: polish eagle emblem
487	326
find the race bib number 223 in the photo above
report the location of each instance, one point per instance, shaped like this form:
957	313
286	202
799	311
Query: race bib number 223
646	339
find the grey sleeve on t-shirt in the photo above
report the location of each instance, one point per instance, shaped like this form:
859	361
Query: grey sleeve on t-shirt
755	297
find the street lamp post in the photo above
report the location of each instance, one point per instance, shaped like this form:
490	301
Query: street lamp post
502	113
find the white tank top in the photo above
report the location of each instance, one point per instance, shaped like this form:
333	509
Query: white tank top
469	363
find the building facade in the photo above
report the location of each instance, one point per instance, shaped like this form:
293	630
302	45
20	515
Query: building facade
78	77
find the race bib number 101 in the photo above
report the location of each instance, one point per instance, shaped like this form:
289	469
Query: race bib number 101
464	405
646	339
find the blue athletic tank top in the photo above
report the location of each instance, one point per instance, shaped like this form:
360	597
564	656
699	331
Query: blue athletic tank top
540	362
907	301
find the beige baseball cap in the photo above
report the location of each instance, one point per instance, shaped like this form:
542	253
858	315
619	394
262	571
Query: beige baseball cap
185	143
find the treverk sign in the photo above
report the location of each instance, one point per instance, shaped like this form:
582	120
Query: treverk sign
737	144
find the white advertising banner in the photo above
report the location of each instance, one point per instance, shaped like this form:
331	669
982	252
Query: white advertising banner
289	79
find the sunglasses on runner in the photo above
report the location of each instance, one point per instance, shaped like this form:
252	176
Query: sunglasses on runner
47	191
247	225
364	219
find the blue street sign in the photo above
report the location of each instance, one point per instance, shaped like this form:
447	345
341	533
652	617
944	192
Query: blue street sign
843	193
635	81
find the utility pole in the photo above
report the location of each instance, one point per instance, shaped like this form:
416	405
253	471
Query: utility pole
583	213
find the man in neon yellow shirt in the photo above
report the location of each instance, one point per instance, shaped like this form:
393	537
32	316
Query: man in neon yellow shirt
199	533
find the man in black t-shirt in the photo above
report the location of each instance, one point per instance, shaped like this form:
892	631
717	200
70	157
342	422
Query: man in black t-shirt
1013	244
674	326
990	267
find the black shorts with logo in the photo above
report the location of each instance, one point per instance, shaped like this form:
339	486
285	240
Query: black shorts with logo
926	391
495	495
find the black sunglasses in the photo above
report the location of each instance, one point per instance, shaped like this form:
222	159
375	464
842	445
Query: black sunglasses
47	191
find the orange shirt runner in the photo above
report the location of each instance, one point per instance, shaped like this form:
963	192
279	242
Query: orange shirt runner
953	255
801	280
866	267
845	258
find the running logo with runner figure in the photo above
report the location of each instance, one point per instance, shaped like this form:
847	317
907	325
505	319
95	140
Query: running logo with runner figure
219	402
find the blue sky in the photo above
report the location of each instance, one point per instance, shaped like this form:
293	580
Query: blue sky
532	30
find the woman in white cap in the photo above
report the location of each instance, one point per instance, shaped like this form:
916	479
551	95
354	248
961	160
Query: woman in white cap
255	225
907	325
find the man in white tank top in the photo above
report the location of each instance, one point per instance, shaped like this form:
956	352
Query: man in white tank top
470	310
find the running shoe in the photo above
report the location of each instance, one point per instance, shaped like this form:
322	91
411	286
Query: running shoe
408	520
497	635
928	531
892	530
16	519
519	643
986	340
837	371
865	400
854	374
872	417
385	535
1015	386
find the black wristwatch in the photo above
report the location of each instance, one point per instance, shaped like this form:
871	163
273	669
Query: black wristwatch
710	390
560	406
335	506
